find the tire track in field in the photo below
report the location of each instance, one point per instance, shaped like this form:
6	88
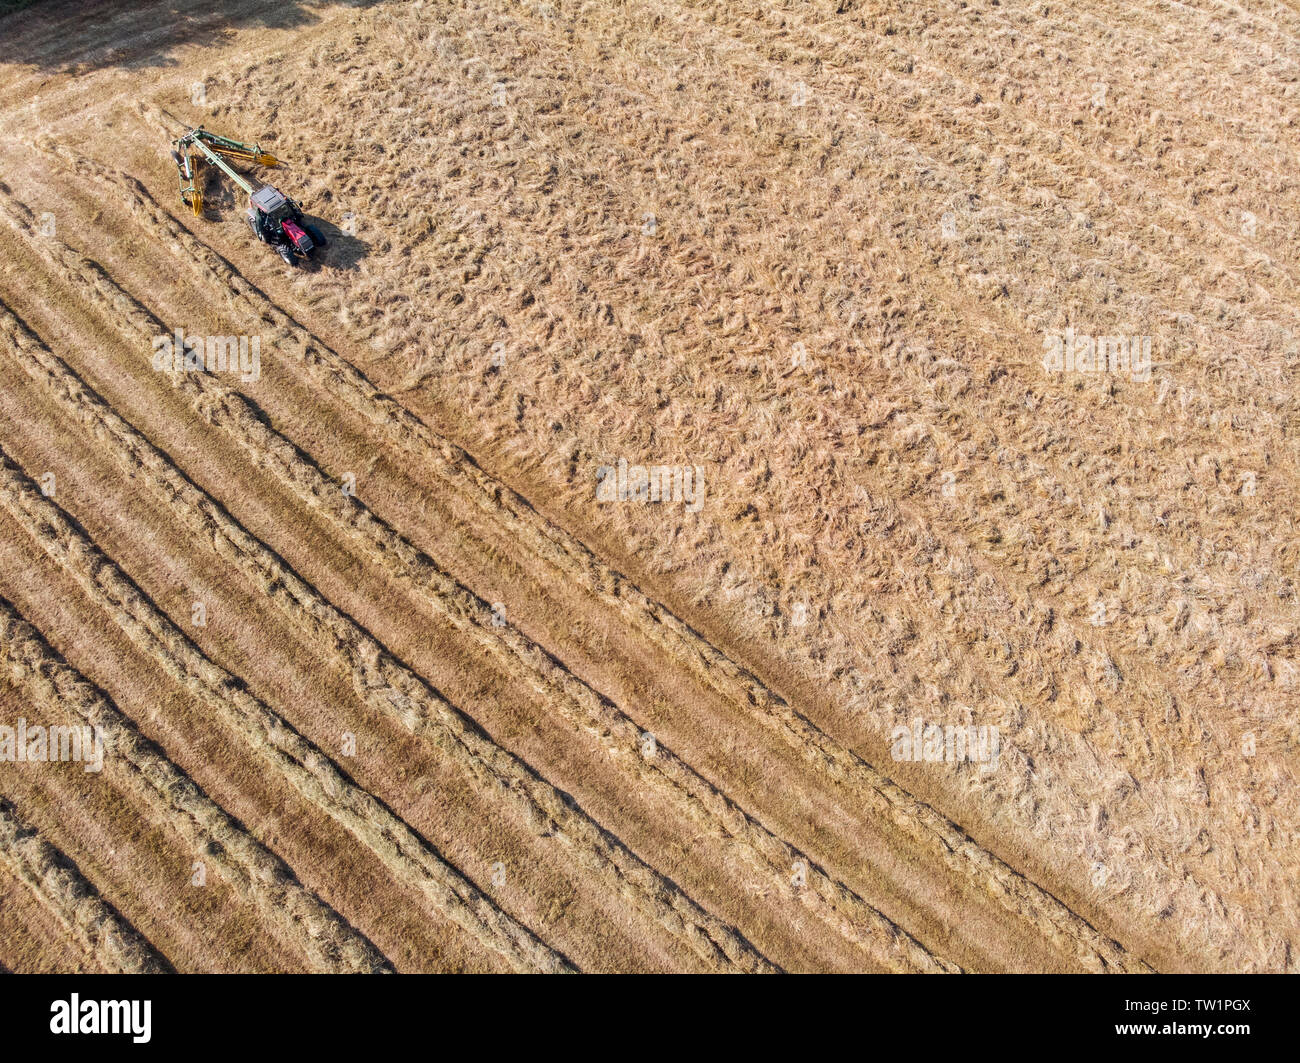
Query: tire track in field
404	853
397	691
98	928
928	827
256	874
374	672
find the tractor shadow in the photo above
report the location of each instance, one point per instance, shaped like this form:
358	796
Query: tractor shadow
343	250
73	37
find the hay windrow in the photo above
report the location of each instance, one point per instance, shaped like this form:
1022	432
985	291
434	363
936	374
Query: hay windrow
546	808
653	620
112	942
256	874
404	853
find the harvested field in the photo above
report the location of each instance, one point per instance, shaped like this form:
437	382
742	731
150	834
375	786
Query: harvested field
744	488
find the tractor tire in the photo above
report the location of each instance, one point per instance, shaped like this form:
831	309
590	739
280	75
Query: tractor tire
317	237
287	255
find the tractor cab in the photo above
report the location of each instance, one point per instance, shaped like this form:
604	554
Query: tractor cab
272	204
275	218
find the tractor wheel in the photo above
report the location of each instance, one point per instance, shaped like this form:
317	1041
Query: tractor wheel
317	237
286	254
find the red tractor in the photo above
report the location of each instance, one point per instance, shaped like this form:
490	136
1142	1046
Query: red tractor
277	220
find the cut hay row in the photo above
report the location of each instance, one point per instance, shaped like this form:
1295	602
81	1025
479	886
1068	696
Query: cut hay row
406	856
392	687
659	625
546	809
112	942
255	873
401	694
